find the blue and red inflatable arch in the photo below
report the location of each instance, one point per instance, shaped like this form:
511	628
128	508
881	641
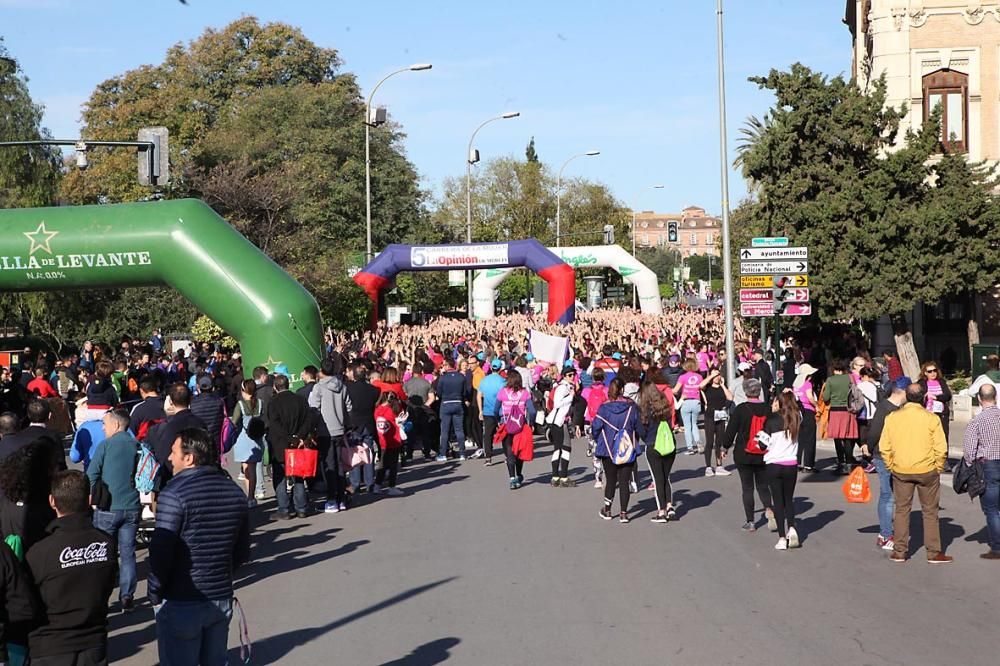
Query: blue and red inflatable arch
380	274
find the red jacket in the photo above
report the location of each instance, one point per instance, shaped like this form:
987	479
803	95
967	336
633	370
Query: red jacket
41	388
387	428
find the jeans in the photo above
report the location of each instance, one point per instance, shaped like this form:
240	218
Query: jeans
886	500
260	479
364	473
281	490
452	414
990	501
193	632
690	409
124	525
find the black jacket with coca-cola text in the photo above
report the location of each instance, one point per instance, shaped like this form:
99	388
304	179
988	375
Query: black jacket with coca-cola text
74	569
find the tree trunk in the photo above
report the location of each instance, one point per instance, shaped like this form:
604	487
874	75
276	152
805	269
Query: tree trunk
904	346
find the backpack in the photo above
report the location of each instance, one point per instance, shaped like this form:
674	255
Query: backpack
146	470
665	444
622	447
855	400
756	427
514	422
597	397
145	427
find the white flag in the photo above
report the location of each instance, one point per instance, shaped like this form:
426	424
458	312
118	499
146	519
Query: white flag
549	348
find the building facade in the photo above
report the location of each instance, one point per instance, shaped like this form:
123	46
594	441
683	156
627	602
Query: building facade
934	52
947	53
697	232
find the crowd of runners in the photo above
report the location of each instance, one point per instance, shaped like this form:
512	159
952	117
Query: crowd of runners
153	433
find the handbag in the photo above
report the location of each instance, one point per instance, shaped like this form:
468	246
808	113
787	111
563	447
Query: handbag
354	455
301	462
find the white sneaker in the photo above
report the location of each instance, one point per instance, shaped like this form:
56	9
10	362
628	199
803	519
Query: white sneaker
598	484
469	444
478	454
394	492
261	495
793	538
781	545
709	471
772	523
342	506
331	507
241	477
722	471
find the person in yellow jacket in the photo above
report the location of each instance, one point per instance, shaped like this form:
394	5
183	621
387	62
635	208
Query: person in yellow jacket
914	449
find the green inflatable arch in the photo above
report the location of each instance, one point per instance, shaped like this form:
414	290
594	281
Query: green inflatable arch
183	244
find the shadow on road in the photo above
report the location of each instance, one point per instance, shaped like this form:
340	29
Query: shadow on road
949	532
427	654
811	524
686	502
275	648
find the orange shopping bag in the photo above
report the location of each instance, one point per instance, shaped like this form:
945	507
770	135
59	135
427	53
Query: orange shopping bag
856	488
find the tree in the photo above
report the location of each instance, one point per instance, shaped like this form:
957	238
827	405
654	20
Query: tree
827	174
266	128
529	154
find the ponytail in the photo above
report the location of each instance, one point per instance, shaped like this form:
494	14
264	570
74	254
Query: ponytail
788	407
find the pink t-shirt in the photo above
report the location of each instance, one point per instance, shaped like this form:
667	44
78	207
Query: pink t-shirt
802	394
691	385
703	359
933	390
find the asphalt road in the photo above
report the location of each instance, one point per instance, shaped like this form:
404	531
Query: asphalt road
463	570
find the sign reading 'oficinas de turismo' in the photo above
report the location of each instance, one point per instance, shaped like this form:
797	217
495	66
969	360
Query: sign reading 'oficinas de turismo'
40	267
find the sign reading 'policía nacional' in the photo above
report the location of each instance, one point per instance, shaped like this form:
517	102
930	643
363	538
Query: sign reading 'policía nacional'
41	262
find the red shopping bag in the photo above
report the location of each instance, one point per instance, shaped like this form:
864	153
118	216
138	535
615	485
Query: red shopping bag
856	488
301	462
523	445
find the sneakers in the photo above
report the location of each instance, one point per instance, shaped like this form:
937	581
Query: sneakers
241	477
623	517
722	471
940	558
462	458
772	524
479	453
870	468
691	452
709	471
393	492
598	484
513	483
520	480
782	544
885	543
793	538
605	513
555	482
749	527
442	459
342	506
567	482
671	513
488	462
658	519
282	515
261	495
331	507
896	557
990	555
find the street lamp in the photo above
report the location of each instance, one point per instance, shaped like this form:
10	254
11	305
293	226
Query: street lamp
471	157
589	153
651	187
375	122
727	260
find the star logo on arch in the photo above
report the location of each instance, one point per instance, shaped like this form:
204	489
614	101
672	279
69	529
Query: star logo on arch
270	363
40	238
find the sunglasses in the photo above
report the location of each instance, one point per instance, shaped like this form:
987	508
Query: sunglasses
934	370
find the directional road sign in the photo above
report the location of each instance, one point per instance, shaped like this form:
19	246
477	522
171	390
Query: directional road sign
756	296
769	310
768	281
773	267
770	241
764	253
786	295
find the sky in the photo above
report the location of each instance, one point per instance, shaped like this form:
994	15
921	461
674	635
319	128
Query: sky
635	79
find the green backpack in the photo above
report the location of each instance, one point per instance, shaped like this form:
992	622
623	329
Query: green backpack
664	440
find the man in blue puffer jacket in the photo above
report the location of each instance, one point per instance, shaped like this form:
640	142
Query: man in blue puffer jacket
202	535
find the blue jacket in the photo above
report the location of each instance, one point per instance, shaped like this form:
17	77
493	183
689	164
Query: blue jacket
616	413
114	463
85	441
202	535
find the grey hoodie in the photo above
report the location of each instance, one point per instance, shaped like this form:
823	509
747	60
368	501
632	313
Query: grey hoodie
330	397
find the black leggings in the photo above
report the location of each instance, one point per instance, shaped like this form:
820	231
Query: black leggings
753	476
807	439
514	464
714	431
845	451
562	444
781	480
616	476
388	465
660	467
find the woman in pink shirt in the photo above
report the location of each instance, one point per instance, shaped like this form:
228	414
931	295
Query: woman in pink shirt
688	389
805	393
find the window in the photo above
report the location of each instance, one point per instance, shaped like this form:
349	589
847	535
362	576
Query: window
645	239
694	238
659	224
709	238
949	90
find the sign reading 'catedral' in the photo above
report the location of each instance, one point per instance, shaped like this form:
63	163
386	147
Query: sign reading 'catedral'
40	243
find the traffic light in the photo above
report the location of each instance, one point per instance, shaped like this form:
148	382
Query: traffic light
672	232
609	234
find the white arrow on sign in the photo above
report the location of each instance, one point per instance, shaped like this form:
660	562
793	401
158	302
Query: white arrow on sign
773	253
791	295
773	267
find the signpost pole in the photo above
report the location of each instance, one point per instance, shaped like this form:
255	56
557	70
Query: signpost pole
727	257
